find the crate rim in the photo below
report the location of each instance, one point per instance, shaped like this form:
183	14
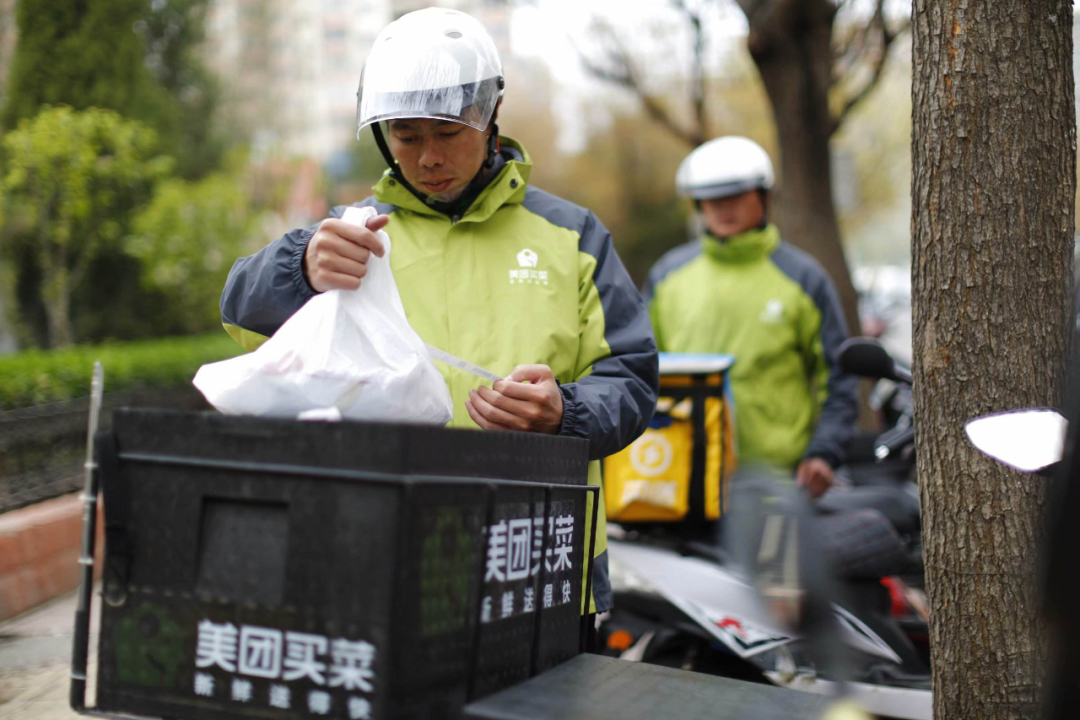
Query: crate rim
342	473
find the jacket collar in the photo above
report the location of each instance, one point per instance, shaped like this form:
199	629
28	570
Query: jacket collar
509	179
745	247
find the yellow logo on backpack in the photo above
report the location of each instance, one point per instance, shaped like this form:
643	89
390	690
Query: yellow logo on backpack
650	480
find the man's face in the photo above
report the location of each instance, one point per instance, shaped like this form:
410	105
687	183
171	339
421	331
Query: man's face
438	157
732	215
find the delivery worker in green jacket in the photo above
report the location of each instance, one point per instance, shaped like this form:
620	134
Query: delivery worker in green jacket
489	268
741	290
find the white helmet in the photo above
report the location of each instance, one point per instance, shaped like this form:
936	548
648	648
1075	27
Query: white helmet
432	63
724	167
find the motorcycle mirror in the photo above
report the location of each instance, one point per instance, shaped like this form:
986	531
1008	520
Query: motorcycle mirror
867	357
1031	441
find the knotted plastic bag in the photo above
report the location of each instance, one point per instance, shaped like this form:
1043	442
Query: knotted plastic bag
345	353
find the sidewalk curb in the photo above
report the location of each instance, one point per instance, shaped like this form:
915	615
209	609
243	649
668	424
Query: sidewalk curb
39	553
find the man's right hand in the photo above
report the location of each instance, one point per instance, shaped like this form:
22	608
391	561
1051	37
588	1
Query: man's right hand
816	475
337	255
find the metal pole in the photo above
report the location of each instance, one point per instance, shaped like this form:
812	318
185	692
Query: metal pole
81	643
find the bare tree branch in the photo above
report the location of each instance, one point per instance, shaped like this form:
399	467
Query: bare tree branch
697	72
848	50
885	41
621	72
618	75
858	97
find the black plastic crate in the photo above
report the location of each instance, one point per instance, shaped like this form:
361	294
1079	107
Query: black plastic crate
281	569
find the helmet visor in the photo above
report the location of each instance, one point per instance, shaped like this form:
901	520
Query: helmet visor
471	104
719	190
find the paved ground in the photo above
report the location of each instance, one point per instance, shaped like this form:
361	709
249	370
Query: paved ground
35	649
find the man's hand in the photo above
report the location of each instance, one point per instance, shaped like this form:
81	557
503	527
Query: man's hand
815	475
336	257
529	400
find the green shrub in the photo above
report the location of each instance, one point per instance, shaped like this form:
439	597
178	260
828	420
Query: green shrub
71	182
41	376
187	239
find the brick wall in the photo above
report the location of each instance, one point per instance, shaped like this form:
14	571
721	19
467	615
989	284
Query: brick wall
39	553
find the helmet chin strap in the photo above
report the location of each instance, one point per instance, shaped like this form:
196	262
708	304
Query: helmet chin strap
492	146
460	204
389	157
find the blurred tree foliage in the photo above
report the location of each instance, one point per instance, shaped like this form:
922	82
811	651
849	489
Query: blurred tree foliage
71	181
136	57
70	275
80	53
172	31
187	239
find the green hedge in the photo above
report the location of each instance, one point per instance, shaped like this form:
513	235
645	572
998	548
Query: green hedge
33	377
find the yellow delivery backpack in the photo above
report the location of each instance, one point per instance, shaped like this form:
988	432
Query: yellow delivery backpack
678	469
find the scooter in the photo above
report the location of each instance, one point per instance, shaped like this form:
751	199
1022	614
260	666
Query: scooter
693	604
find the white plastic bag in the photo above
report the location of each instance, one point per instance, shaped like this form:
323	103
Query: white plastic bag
347	352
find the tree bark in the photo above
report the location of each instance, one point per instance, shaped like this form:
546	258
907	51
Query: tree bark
56	295
55	289
993	188
792	48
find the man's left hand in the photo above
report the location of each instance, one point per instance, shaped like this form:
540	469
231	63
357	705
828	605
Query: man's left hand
529	400
815	475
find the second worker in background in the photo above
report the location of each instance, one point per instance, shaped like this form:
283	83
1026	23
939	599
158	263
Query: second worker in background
741	290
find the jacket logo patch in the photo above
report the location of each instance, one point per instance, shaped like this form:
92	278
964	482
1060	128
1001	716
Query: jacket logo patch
526	275
773	312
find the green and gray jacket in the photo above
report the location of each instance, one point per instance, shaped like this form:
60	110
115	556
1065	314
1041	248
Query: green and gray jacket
774	308
521	277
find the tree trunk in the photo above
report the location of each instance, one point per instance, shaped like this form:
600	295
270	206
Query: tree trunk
993	187
793	53
56	296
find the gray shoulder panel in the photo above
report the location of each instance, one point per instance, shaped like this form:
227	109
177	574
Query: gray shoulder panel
556	211
803	269
671	261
